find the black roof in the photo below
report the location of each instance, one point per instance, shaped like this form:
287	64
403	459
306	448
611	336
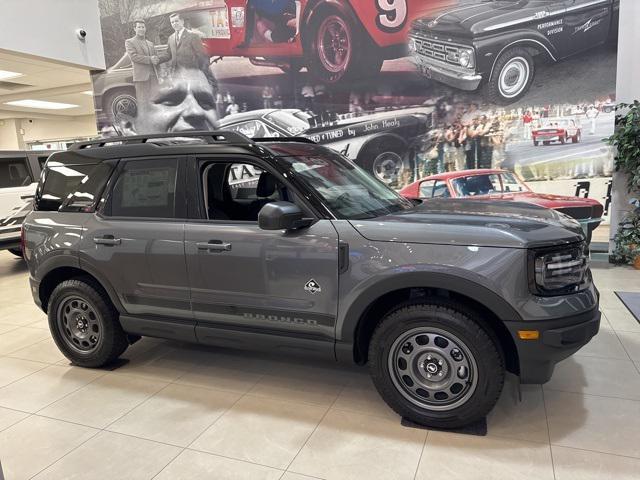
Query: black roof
182	143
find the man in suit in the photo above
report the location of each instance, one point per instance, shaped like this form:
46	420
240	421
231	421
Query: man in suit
144	59
185	50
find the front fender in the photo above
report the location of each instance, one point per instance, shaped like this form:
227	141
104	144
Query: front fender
459	281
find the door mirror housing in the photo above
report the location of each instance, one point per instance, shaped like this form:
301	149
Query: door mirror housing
282	216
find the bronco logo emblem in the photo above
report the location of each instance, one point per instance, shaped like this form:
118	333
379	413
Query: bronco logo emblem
312	287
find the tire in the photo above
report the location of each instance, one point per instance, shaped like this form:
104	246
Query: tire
536	143
331	52
120	102
479	359
575	138
512	76
17	252
563	140
66	311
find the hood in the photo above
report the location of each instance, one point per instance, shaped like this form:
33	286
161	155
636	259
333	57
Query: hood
549	200
475	17
470	222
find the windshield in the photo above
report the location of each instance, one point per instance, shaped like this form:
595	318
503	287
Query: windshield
292	122
348	191
487	184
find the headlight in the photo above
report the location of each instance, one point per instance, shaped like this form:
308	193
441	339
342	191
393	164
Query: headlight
466	58
559	271
412	45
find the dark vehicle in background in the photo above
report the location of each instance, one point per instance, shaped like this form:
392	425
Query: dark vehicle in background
151	236
384	143
19	174
496	44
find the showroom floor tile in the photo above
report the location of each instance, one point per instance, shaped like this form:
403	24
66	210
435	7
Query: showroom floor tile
178	411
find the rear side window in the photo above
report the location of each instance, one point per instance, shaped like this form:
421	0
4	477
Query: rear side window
146	188
14	172
58	184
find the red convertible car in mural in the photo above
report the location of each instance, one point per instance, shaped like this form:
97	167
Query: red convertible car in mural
334	39
560	130
505	186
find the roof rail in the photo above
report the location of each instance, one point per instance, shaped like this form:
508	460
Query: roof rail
283	139
211	137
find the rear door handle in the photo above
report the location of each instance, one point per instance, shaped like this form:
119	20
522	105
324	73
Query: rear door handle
214	245
107	240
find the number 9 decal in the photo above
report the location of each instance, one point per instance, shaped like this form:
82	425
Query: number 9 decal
392	15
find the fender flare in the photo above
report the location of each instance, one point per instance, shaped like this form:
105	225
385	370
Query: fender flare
540	42
348	323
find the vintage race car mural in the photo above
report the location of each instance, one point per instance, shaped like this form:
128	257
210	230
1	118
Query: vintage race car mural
560	130
334	39
502	185
384	143
495	44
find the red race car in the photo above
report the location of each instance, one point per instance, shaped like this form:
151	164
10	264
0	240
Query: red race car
503	185
335	39
560	129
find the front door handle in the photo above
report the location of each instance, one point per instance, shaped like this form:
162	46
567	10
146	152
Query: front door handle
214	245
107	240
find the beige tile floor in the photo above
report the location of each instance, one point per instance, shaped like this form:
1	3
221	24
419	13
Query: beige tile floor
179	411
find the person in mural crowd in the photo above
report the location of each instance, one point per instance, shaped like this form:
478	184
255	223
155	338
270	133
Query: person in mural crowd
309	96
277	21
144	59
267	97
187	103
186	51
527	120
233	107
592	114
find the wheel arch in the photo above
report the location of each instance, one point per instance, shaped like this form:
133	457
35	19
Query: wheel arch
394	138
373	304
535	47
60	273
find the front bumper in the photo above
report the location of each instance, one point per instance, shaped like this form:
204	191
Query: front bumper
559	339
431	69
10	237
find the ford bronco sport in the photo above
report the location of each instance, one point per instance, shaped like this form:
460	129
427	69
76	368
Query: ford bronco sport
158	236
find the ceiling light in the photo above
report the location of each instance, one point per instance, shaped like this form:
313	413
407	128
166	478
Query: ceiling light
6	75
42	104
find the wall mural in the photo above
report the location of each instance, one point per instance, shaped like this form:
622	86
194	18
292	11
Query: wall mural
407	89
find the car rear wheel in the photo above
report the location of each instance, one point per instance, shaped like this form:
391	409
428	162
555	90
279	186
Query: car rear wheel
331	55
575	138
563	140
536	143
512	75
435	365
84	324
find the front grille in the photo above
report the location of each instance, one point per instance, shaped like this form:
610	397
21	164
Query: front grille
442	51
579	213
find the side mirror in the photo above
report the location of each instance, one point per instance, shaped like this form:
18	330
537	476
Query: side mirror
282	216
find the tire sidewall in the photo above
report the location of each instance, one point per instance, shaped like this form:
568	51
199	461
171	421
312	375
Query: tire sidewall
493	86
313	49
488	386
110	327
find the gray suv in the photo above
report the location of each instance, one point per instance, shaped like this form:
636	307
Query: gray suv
287	246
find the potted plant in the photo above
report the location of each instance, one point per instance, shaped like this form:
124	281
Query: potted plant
626	139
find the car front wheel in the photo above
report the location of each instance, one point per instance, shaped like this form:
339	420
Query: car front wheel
331	55
435	365
512	75
84	324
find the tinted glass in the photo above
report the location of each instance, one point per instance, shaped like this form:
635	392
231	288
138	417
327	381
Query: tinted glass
14	172
477	185
86	194
146	188
441	190
58	183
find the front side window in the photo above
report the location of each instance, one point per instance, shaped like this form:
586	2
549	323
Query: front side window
426	188
14	173
348	191
512	184
440	190
146	188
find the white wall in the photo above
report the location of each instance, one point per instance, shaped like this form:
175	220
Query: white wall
47	28
42	130
627	90
9	137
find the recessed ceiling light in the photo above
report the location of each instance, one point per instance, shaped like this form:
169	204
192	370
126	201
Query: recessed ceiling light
41	104
6	75
88	92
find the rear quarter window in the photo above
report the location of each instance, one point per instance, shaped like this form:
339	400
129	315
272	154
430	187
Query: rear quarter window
75	186
14	172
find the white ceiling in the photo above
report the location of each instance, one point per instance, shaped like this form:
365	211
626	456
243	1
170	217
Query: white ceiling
43	80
